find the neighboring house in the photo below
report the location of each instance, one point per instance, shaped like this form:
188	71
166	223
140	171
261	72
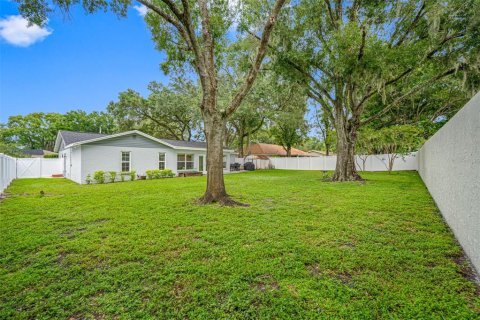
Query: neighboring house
266	150
317	153
36	153
84	153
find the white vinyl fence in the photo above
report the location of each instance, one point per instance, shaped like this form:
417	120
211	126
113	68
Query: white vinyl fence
15	168
377	162
8	167
38	167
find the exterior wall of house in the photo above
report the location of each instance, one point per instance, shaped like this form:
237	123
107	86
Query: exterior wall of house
108	158
71	165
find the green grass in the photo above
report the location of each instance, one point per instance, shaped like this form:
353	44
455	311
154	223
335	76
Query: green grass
304	249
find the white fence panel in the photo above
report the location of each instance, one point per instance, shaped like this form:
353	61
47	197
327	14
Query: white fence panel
8	169
38	167
13	168
28	167
372	163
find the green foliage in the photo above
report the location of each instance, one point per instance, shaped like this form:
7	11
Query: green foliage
167	173
157	173
133	175
304	249
51	156
379	62
10	150
99	176
168	112
88	179
112	175
39	130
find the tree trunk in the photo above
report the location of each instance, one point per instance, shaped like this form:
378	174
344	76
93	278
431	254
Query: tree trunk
241	143
289	151
214	133
345	169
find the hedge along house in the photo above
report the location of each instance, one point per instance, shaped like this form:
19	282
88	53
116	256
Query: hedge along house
84	153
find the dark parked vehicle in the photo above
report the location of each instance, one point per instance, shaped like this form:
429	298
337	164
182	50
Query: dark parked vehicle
235	166
249	166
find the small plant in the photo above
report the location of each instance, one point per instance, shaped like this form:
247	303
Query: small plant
112	175
168	173
51	156
99	176
149	174
88	179
132	174
122	176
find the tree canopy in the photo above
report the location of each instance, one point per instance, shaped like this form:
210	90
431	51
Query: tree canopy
361	60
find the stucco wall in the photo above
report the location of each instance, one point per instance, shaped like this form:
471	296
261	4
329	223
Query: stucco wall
449	164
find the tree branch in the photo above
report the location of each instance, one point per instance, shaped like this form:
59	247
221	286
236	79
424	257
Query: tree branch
414	90
262	50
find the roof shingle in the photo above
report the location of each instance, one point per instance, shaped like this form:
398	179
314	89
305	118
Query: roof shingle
70	137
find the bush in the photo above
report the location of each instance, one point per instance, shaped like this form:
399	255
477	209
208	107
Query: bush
99	176
112	175
153	174
168	173
132	174
157	174
88	179
52	156
122	176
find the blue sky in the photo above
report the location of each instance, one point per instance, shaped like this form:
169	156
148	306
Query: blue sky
83	63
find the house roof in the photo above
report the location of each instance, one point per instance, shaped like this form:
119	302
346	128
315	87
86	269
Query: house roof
70	137
85	137
186	144
272	150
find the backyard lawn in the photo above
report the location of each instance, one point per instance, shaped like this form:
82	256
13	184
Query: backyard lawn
304	249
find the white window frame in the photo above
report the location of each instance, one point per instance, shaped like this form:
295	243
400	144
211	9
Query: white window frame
123	162
185	161
164	161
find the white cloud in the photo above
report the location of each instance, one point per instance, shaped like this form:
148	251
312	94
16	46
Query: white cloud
141	9
15	30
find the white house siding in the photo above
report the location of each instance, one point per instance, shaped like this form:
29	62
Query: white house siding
76	164
71	163
108	158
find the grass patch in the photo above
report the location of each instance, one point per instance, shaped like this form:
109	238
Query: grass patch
303	249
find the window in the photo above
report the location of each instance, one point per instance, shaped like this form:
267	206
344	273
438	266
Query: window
125	161
161	161
224	162
185	162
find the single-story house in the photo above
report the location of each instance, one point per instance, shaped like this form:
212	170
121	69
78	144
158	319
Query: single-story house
36	153
84	153
266	150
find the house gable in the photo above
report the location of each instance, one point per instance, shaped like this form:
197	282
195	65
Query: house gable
132	140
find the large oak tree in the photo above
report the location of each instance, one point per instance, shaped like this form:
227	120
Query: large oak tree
198	34
361	60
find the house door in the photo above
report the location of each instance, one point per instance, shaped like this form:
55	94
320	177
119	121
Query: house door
200	163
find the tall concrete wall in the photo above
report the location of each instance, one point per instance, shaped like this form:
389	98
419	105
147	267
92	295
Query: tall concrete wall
449	164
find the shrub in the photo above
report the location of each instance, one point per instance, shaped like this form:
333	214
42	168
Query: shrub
99	176
157	174
88	179
112	175
55	155
122	176
153	174
132	174
168	173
